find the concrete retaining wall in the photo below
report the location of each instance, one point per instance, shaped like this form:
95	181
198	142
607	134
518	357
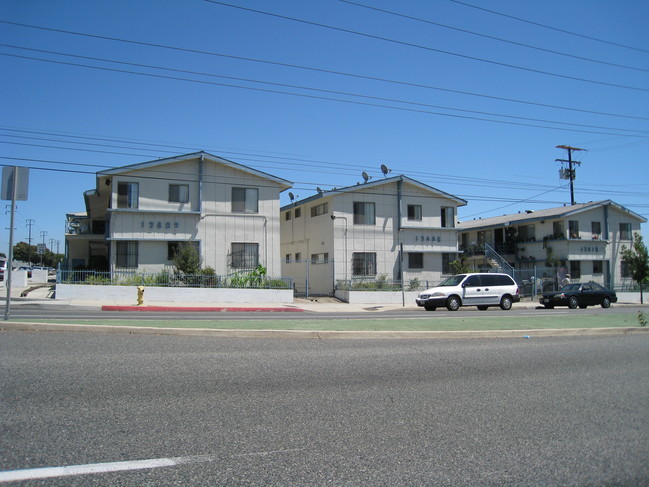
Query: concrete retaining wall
377	297
176	295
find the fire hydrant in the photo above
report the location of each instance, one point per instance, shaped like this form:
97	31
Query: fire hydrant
140	295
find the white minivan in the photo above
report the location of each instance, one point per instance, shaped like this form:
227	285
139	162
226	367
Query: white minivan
483	289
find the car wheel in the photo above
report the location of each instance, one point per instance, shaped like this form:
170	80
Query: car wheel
483	308
453	303
430	308
506	303
606	302
572	302
549	306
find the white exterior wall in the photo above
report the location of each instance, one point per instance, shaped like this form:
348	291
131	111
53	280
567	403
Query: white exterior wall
586	249
207	219
341	238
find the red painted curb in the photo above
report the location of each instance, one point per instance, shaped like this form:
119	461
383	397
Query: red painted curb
195	309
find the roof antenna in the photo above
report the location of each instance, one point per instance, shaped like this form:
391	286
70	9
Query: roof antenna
291	196
366	178
319	190
385	170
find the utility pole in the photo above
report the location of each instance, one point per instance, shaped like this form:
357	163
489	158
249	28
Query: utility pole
30	224
571	171
43	234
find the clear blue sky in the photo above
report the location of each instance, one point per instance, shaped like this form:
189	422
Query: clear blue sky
468	100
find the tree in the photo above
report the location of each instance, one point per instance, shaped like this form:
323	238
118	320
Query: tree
187	260
460	266
637	259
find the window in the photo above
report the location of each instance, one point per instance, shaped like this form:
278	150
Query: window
598	267
126	254
575	270
178	193
364	264
98	227
127	195
596	228
364	213
245	200
527	233
174	246
287	215
482	238
625	231
322	258
446	262
298	256
288	258
625	269
298	212
472	281
320	209
464	241
448	217
573	228
245	255
557	229
415	260
414	212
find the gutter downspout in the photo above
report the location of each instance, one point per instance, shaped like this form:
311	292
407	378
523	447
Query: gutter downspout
399	191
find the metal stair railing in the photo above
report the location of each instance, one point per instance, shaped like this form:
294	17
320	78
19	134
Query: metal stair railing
503	265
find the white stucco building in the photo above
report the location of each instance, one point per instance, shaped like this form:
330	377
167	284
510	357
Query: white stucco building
387	228
137	215
585	240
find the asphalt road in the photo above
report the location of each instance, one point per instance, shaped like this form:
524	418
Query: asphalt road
62	312
552	411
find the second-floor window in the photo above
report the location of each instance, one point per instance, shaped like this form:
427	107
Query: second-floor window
364	213
245	200
414	212
178	193
448	217
127	195
596	228
625	231
573	228
318	210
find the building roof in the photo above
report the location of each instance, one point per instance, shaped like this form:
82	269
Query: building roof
533	215
374	184
195	155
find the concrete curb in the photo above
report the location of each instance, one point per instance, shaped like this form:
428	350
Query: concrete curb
195	309
320	334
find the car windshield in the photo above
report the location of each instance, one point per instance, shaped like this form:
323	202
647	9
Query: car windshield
570	287
453	280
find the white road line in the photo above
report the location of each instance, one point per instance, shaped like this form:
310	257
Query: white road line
73	470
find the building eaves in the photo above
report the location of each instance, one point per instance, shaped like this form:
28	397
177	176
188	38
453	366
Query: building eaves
374	184
194	155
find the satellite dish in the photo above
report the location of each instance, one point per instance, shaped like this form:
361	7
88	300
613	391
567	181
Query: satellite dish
385	170
319	190
291	196
366	177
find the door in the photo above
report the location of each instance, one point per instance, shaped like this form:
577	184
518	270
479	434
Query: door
473	292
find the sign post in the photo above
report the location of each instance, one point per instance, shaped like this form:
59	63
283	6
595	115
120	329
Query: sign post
15	183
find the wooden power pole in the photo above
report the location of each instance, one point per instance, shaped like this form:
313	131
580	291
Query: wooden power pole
571	171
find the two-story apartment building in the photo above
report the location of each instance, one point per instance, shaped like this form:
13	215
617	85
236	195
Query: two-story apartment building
137	216
583	240
396	227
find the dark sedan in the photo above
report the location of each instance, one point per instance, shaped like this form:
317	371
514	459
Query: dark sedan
579	295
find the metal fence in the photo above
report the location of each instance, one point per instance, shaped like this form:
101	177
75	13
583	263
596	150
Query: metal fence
170	279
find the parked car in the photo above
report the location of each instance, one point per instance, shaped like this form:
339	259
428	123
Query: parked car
3	268
474	289
579	295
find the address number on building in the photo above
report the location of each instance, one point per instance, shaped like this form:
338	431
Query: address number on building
158	225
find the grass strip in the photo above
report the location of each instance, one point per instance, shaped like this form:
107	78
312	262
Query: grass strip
469	323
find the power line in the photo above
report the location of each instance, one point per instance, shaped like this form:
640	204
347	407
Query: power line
428	48
334	92
499	39
314	69
328	98
556	29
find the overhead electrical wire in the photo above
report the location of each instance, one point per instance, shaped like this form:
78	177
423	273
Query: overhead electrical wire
499	39
340	100
556	29
334	92
428	48
314	69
